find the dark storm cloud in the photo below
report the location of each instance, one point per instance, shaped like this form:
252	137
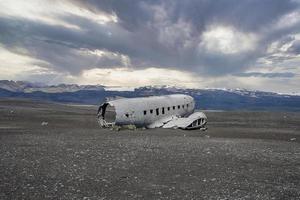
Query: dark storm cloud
295	48
152	33
247	14
132	14
63	48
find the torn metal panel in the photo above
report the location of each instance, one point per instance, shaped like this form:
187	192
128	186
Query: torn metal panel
162	122
196	120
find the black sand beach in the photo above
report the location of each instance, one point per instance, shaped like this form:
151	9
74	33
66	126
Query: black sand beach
56	151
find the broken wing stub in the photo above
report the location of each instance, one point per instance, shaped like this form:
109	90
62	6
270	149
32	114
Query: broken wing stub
197	120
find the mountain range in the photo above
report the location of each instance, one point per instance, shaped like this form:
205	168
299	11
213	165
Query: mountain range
206	99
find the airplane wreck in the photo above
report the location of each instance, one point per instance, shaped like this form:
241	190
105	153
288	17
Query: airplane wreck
168	111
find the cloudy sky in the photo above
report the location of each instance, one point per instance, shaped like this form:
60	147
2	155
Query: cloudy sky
252	44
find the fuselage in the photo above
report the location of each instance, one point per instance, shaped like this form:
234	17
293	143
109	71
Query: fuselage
144	111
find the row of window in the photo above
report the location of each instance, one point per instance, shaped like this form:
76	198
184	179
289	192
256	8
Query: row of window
163	109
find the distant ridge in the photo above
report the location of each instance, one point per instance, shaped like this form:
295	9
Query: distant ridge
210	98
28	87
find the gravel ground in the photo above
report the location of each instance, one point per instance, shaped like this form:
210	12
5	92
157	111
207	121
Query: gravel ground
55	151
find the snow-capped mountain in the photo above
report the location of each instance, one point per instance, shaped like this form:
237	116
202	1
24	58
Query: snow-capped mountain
238	91
208	98
28	87
17	86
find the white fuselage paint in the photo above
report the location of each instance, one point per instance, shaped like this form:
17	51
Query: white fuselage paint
132	110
